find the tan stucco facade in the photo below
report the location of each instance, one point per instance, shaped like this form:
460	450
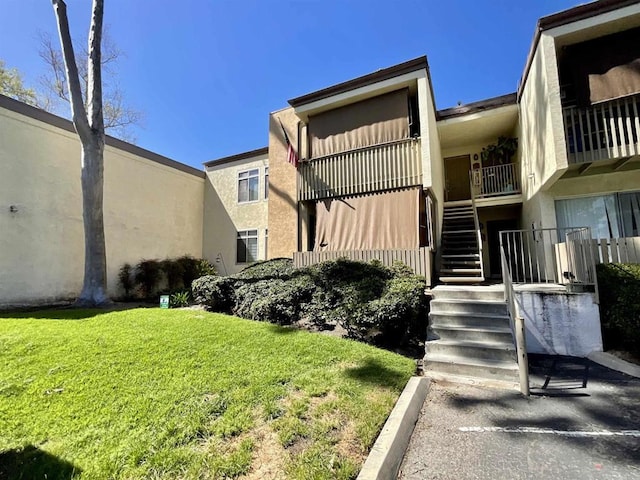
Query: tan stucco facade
224	215
151	210
283	211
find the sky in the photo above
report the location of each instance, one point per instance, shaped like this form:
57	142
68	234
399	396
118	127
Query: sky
207	73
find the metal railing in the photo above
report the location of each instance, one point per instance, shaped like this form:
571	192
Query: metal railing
602	131
517	325
369	169
550	255
495	181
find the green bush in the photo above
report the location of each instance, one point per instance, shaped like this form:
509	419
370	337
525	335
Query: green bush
148	275
619	292
374	303
125	277
216	293
173	272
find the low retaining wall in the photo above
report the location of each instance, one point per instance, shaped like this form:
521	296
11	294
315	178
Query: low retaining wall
560	323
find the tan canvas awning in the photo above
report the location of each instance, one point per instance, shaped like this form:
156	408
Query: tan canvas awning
369	122
388	220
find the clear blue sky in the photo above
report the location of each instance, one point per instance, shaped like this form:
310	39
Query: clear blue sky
207	73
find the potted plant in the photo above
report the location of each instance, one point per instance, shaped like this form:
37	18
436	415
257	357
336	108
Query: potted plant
499	153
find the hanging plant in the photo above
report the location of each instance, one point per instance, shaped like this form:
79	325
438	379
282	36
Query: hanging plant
499	153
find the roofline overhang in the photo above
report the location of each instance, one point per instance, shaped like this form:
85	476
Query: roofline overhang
477	107
237	157
416	64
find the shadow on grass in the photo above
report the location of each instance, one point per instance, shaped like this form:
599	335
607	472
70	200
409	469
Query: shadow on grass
56	314
374	372
31	462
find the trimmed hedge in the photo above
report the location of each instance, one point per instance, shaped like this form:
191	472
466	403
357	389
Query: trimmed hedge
374	303
172	275
619	291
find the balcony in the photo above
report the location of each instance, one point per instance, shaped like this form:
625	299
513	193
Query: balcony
495	181
608	130
369	169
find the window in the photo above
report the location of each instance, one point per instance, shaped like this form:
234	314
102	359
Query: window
248	186
266	182
609	216
247	246
266	243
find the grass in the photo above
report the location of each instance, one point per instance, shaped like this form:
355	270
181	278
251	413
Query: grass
153	393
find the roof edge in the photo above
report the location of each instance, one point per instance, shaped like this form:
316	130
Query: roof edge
237	156
363	81
64	124
479	106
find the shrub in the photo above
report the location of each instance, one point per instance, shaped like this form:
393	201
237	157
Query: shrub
374	303
125	277
618	287
174	273
147	276
179	299
193	268
217	293
274	300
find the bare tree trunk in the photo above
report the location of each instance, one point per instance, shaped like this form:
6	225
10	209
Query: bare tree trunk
89	125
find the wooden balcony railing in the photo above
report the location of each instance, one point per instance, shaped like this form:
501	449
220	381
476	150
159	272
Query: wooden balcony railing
380	167
495	181
603	131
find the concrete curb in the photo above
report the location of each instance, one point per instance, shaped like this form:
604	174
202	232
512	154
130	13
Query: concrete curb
387	453
614	363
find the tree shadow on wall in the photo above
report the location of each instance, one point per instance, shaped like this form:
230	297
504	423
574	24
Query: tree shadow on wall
30	462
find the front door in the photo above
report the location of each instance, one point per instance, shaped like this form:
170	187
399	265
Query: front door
456	177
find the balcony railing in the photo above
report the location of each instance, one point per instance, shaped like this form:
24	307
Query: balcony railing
380	167
495	181
603	131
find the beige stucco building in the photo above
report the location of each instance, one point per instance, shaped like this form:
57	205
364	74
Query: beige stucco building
236	198
382	174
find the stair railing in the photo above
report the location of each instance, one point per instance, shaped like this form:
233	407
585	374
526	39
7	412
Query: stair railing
477	227
517	324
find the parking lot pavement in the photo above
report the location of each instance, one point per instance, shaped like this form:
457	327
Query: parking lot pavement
582	421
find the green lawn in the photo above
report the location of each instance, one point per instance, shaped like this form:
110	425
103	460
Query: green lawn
152	393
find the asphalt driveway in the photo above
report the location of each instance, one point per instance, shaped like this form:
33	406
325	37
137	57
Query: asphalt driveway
582	421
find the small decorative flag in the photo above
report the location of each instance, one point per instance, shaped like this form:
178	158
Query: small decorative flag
292	156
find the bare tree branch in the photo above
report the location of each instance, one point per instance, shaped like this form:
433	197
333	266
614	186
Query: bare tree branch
94	68
78	111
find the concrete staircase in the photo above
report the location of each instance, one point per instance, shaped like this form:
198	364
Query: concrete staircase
470	336
461	260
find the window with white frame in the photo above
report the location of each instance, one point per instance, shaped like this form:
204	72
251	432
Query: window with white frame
247	246
266	182
609	216
248	185
266	243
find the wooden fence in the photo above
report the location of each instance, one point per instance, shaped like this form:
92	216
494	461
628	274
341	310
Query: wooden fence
420	260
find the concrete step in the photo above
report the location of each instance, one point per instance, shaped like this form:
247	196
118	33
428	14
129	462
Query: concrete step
458	280
492	292
463	256
468	319
464	306
451	264
459	232
461	271
471	334
460	366
502	351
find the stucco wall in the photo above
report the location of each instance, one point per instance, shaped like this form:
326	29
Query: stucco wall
432	164
560	323
283	213
544	156
150	210
224	216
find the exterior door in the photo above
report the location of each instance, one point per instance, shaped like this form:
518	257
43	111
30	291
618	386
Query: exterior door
456	177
